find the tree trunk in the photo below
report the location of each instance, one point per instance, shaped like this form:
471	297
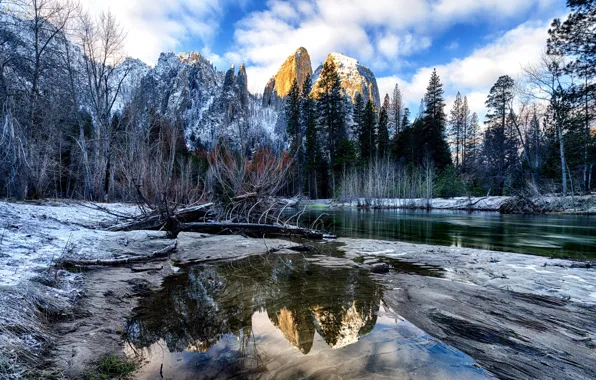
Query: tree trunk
587	138
562	153
590	177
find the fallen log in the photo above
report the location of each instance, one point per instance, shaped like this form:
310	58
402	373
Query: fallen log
253	230
160	254
245	196
156	222
139	269
522	205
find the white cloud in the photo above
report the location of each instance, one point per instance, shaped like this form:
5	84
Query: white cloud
156	26
392	45
379	33
474	75
453	45
491	10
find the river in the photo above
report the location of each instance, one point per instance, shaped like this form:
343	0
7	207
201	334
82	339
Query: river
569	236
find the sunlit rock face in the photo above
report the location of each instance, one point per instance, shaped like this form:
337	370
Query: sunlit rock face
296	67
296	326
199	308
355	78
345	326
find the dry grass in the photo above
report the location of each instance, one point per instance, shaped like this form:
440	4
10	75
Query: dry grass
26	310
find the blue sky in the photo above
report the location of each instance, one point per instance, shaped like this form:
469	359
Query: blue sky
470	42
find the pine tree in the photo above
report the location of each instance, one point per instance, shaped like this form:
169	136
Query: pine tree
533	139
331	115
397	141
471	143
387	105
314	163
396	110
405	123
576	38
459	121
368	137
455	120
294	130
357	115
500	148
433	134
465	120
383	133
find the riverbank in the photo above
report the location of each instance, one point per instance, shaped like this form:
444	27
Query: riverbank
32	292
584	205
516	315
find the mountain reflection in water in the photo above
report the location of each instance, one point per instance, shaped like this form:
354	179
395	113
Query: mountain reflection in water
224	319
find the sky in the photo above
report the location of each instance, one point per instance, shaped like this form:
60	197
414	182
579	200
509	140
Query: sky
470	42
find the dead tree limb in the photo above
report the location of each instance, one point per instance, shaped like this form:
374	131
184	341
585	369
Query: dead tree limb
253	230
156	222
160	254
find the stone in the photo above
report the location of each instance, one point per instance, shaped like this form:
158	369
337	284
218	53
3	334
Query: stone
355	78
296	67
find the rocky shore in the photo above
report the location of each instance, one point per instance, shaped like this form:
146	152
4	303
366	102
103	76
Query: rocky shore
518	316
584	205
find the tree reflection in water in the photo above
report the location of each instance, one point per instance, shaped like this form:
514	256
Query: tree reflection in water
283	316
195	310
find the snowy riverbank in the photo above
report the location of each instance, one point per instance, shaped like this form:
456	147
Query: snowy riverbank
572	205
32	237
528	304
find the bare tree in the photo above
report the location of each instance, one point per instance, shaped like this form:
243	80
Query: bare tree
547	83
102	41
47	21
396	108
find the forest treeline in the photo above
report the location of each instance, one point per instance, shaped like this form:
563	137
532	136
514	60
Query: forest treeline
70	123
69	129
537	137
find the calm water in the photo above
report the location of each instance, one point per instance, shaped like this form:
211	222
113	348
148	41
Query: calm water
547	235
283	317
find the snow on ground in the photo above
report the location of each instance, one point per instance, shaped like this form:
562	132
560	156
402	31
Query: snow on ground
501	270
31	237
572	204
475	203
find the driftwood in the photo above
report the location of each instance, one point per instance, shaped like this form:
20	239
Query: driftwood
156	222
194	219
522	205
160	254
245	196
253	230
149	269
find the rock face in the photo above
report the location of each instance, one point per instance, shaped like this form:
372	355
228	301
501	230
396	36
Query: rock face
296	67
209	105
181	88
354	78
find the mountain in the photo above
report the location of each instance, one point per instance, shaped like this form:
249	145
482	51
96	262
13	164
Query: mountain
130	72
210	105
296	67
354	78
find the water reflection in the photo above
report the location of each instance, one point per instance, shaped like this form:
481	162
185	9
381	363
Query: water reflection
548	235
194	309
281	316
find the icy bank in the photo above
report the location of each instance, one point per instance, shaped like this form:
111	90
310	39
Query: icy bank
32	237
572	204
